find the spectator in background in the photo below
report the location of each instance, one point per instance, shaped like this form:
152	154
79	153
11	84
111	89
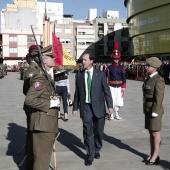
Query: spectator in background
62	89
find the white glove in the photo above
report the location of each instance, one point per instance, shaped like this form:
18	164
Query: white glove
154	114
54	103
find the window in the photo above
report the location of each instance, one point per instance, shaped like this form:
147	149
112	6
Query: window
67	30
89	31
62	40
58	30
13	50
67	41
81	42
12	39
30	39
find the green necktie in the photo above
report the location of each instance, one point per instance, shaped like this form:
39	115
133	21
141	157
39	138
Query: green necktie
89	86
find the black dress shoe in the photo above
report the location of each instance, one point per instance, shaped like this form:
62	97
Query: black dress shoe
97	155
145	160
88	162
156	162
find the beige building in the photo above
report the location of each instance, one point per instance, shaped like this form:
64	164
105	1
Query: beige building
16	32
85	38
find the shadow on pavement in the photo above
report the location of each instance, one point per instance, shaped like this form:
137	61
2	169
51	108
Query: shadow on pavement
16	135
72	142
164	164
119	144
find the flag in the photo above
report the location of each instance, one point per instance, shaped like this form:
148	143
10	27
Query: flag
61	56
57	50
67	58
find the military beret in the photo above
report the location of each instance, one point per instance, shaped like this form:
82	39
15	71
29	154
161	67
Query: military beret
154	62
33	50
47	51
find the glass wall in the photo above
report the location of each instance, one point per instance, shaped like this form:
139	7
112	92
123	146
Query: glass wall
149	21
151	43
136	6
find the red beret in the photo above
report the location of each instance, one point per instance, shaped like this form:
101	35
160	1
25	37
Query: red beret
33	47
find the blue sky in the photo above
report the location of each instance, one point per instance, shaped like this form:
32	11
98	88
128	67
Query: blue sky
79	8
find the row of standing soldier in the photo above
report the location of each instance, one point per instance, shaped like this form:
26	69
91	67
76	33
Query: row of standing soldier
137	71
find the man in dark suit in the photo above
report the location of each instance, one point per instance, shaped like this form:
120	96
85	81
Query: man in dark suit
91	92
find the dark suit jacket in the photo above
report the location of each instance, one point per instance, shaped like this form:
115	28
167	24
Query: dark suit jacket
100	93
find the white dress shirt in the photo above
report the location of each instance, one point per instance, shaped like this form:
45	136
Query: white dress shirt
86	75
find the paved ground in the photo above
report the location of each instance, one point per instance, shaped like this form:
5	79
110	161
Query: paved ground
125	142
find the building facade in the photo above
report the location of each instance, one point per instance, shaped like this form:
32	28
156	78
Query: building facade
84	38
149	27
106	33
94	35
16	32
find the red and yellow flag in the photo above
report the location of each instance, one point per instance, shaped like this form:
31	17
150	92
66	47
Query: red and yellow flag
61	56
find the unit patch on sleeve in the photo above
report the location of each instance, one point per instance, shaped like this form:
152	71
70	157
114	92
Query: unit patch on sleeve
37	85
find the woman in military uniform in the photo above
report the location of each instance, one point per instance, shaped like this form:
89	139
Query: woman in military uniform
153	94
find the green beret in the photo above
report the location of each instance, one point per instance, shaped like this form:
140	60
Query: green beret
47	51
154	62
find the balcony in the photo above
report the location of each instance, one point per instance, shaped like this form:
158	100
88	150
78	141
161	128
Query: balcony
111	26
100	32
85	36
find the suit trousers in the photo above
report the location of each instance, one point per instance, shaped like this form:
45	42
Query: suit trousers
93	128
42	148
